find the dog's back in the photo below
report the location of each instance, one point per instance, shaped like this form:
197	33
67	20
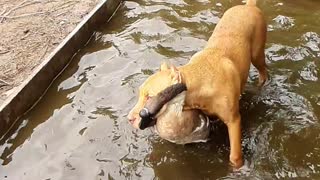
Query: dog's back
240	36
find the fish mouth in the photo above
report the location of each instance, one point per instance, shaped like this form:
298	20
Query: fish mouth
147	122
147	119
155	104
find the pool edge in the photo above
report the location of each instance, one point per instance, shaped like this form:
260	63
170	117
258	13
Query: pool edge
26	95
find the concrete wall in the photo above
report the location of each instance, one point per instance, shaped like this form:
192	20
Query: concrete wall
30	91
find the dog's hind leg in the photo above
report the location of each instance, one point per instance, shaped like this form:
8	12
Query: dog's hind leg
260	63
258	56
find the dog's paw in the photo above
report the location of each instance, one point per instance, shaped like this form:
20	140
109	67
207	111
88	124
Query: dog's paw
244	170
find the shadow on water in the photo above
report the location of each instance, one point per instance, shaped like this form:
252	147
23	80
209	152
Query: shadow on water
79	128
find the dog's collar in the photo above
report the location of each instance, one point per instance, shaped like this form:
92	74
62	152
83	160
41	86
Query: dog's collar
154	104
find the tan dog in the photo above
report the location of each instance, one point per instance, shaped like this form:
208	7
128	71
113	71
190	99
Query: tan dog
215	77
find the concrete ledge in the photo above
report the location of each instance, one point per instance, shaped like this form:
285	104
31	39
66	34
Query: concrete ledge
32	89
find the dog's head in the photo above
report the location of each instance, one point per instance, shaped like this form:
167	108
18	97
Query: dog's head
156	83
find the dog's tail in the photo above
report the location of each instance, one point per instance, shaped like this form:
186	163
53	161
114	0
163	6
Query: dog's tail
251	2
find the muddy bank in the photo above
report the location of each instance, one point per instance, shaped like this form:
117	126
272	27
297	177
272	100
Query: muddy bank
29	31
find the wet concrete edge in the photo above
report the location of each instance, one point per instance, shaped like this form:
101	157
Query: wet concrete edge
25	96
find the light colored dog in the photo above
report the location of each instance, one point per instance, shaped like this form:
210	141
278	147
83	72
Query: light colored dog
216	76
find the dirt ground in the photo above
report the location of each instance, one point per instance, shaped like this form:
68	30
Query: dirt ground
29	31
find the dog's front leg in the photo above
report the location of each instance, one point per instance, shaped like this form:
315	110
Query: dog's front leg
234	131
228	112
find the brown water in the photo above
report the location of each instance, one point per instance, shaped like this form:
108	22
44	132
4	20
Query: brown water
79	130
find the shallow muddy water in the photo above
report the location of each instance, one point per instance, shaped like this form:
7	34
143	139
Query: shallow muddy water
79	128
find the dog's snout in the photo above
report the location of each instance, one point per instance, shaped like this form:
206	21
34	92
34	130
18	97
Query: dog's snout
131	118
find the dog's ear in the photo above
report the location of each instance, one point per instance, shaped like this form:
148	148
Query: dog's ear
175	75
164	66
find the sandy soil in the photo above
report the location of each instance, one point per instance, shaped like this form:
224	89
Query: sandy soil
29	31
